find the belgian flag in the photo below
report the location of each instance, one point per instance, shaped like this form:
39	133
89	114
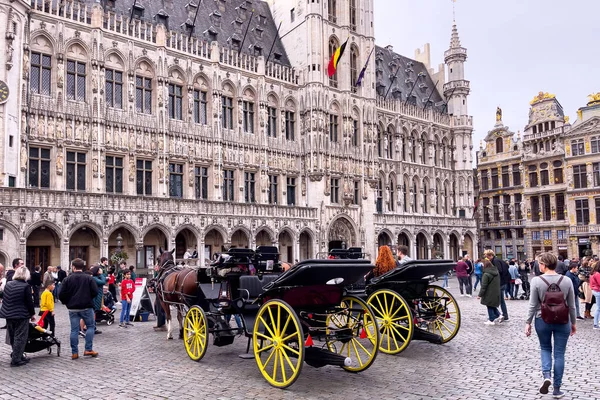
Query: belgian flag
333	63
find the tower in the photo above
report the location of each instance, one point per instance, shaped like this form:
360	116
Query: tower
457	89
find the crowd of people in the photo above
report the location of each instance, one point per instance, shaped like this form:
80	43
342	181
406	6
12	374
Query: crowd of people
88	294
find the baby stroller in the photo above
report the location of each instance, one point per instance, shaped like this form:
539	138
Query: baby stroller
40	339
105	314
526	286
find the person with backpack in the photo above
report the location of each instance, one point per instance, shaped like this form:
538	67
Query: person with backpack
552	303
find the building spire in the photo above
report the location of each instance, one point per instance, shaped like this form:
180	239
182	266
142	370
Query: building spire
454	40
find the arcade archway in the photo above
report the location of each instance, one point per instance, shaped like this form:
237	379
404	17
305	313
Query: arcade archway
438	247
84	243
422	249
454	247
341	234
213	243
306	246
240	240
286	247
43	248
383	239
154	239
186	241
263	239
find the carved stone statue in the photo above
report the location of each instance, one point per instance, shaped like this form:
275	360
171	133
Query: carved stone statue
95	166
69	129
78	131
131	90
23	157
32	127
132	170
60	74
59	130
264	181
161	170
59	163
41	125
86	132
50	129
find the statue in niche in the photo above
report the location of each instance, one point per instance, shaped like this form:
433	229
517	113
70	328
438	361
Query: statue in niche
50	128
264	181
95	166
59	130
41	125
24	124
26	65
59	163
161	170
132	170
32	126
78	131
23	157
131	90
216	176
139	141
86	132
60	74
69	129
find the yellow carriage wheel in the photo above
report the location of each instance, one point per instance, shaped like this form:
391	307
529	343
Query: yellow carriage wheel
278	343
352	332
394	319
447	320
195	333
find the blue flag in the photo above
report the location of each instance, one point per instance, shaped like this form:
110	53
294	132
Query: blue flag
362	71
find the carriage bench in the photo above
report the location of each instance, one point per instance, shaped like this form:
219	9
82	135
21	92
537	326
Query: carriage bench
251	286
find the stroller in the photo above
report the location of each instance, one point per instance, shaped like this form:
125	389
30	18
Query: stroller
39	339
105	314
526	286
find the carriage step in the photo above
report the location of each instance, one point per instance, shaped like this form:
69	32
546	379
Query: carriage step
317	357
421	334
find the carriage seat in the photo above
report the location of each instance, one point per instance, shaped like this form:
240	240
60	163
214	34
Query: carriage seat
254	285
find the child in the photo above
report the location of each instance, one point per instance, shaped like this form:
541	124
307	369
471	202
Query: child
127	289
47	304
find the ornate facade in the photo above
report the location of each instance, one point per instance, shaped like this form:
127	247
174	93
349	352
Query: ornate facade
134	127
556	206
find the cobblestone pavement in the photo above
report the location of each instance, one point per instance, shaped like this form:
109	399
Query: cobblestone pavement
482	362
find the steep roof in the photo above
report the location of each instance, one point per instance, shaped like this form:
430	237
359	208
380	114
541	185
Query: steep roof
227	19
409	71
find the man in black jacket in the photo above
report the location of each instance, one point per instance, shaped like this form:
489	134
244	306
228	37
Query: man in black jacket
504	279
77	293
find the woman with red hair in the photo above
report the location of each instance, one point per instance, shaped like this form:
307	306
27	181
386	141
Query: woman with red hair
385	263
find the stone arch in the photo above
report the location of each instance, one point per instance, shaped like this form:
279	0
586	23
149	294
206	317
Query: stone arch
190	227
144	60
264	236
35	43
4	260
454	245
469	244
285	241
10	227
249	92
306	240
290	103
124	225
214	239
77	42
38	224
43	246
161	227
201	81
240	237
438	245
422	245
273	99
228	88
385	238
114	57
87	224
175	73
342	229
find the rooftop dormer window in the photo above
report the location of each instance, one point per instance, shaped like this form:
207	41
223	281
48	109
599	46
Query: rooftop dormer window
215	18
162	18
138	11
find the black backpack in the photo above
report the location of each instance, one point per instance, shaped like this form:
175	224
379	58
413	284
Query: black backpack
554	306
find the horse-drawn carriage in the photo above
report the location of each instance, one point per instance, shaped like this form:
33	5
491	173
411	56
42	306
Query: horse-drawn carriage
305	314
407	306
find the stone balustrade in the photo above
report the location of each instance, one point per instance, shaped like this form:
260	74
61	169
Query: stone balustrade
423	220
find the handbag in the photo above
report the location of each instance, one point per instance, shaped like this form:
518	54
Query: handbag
518	281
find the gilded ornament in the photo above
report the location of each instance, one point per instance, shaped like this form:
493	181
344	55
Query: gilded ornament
542	96
594	99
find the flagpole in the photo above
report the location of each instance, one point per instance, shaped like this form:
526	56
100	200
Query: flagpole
430	94
364	69
419	76
273	45
246	33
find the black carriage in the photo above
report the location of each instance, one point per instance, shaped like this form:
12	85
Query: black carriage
305	315
408	307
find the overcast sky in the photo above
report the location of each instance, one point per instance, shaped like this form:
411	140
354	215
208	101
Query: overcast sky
516	48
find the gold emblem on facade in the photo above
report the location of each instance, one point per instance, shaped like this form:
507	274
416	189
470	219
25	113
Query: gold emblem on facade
541	96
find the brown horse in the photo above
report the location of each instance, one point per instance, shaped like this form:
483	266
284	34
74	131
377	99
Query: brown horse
177	286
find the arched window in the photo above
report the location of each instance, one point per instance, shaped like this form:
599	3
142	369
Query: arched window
390	140
405	194
143	88
404	146
333	45
415	197
353	68
352	4
436	151
425	199
499	145
76	69
392	193
444	153
379	204
438	193
331	6
413	153
423	149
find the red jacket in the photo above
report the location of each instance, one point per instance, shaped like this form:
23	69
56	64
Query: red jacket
127	287
111	279
595	283
461	269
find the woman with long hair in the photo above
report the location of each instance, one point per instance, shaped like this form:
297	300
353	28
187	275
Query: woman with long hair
595	286
385	262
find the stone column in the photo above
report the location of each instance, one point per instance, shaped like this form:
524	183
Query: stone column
296	252
64	255
104	247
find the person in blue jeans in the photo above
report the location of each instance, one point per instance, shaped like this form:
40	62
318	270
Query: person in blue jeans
478	273
547	331
77	293
504	279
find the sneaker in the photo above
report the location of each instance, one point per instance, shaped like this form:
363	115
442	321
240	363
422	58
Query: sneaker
97	332
545	385
128	323
122	325
469	295
90	353
82	333
488	322
74	356
18	363
505	319
579	317
557	393
499	319
596	327
462	295
160	328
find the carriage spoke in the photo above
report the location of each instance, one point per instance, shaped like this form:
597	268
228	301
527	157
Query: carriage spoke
275	328
289	318
267	326
287	359
387	310
288	348
282	365
398	332
265	348
354	341
262	336
275	364
264	366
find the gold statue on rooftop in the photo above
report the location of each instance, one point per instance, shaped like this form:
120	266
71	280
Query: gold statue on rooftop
498	114
594	99
542	96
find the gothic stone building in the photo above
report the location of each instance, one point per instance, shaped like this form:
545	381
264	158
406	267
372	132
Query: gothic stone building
542	193
138	125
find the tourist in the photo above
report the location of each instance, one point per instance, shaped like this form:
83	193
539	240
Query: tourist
100	280
513	270
61	275
403	255
77	293
47	276
504	278
478	269
595	286
16	263
463	277
524	276
35	281
127	289
470	270
562	266
47	305
547	332
111	280
489	292
572	274
187	254
385	262
17	309
132	273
